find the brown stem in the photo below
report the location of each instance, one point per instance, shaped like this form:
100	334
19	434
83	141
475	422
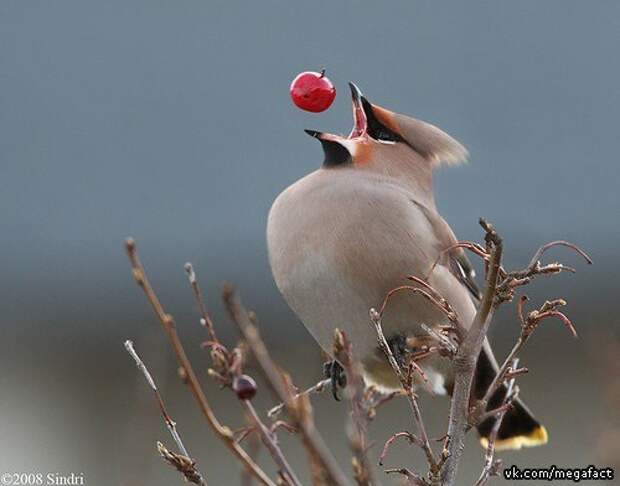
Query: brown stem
167	322
465	361
539	253
316	388
504	369
270	441
490	465
412	477
388	443
311	438
200	301
358	437
442	305
191	473
409	391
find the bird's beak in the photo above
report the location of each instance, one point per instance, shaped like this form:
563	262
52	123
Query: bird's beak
360	120
323	136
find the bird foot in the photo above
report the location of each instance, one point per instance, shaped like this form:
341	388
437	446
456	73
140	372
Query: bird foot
400	350
334	371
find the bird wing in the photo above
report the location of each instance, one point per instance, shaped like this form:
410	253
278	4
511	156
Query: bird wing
458	263
463	270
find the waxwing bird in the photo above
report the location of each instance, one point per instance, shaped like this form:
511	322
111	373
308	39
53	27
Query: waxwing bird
343	236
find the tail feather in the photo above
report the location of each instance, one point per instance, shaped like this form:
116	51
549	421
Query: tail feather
519	427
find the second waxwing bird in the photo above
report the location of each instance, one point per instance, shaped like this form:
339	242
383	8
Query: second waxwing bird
343	236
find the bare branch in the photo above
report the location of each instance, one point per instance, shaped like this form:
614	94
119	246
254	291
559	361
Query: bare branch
539	253
167	322
189	469
205	317
376	399
445	343
316	388
440	302
229	366
465	360
491	466
467	245
511	280
354	392
388	443
410	476
181	463
270	441
310	436
449	339
254	448
408	387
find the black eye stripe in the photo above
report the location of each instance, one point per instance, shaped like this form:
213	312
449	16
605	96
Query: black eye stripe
376	129
335	154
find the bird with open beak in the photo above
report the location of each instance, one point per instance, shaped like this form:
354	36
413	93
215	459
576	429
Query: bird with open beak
343	236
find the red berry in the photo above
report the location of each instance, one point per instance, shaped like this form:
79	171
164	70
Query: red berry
312	91
245	387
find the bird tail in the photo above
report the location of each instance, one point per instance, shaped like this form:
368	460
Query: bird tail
519	427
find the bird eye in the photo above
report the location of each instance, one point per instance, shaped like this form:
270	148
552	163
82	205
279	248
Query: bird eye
385	135
376	129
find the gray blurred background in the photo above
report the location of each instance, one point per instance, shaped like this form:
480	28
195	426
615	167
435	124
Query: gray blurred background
171	122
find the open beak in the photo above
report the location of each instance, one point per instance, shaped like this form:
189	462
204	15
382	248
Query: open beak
329	137
360	120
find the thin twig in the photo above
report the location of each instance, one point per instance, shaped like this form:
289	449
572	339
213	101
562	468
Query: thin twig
191	473
377	399
316	388
181	463
412	477
167	321
440	304
270	441
528	325
466	358
230	363
511	280
358	437
253	447
444	342
539	253
311	438
200	301
388	443
467	245
491	466
407	386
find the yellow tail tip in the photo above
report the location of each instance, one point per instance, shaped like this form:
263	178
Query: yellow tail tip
536	437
